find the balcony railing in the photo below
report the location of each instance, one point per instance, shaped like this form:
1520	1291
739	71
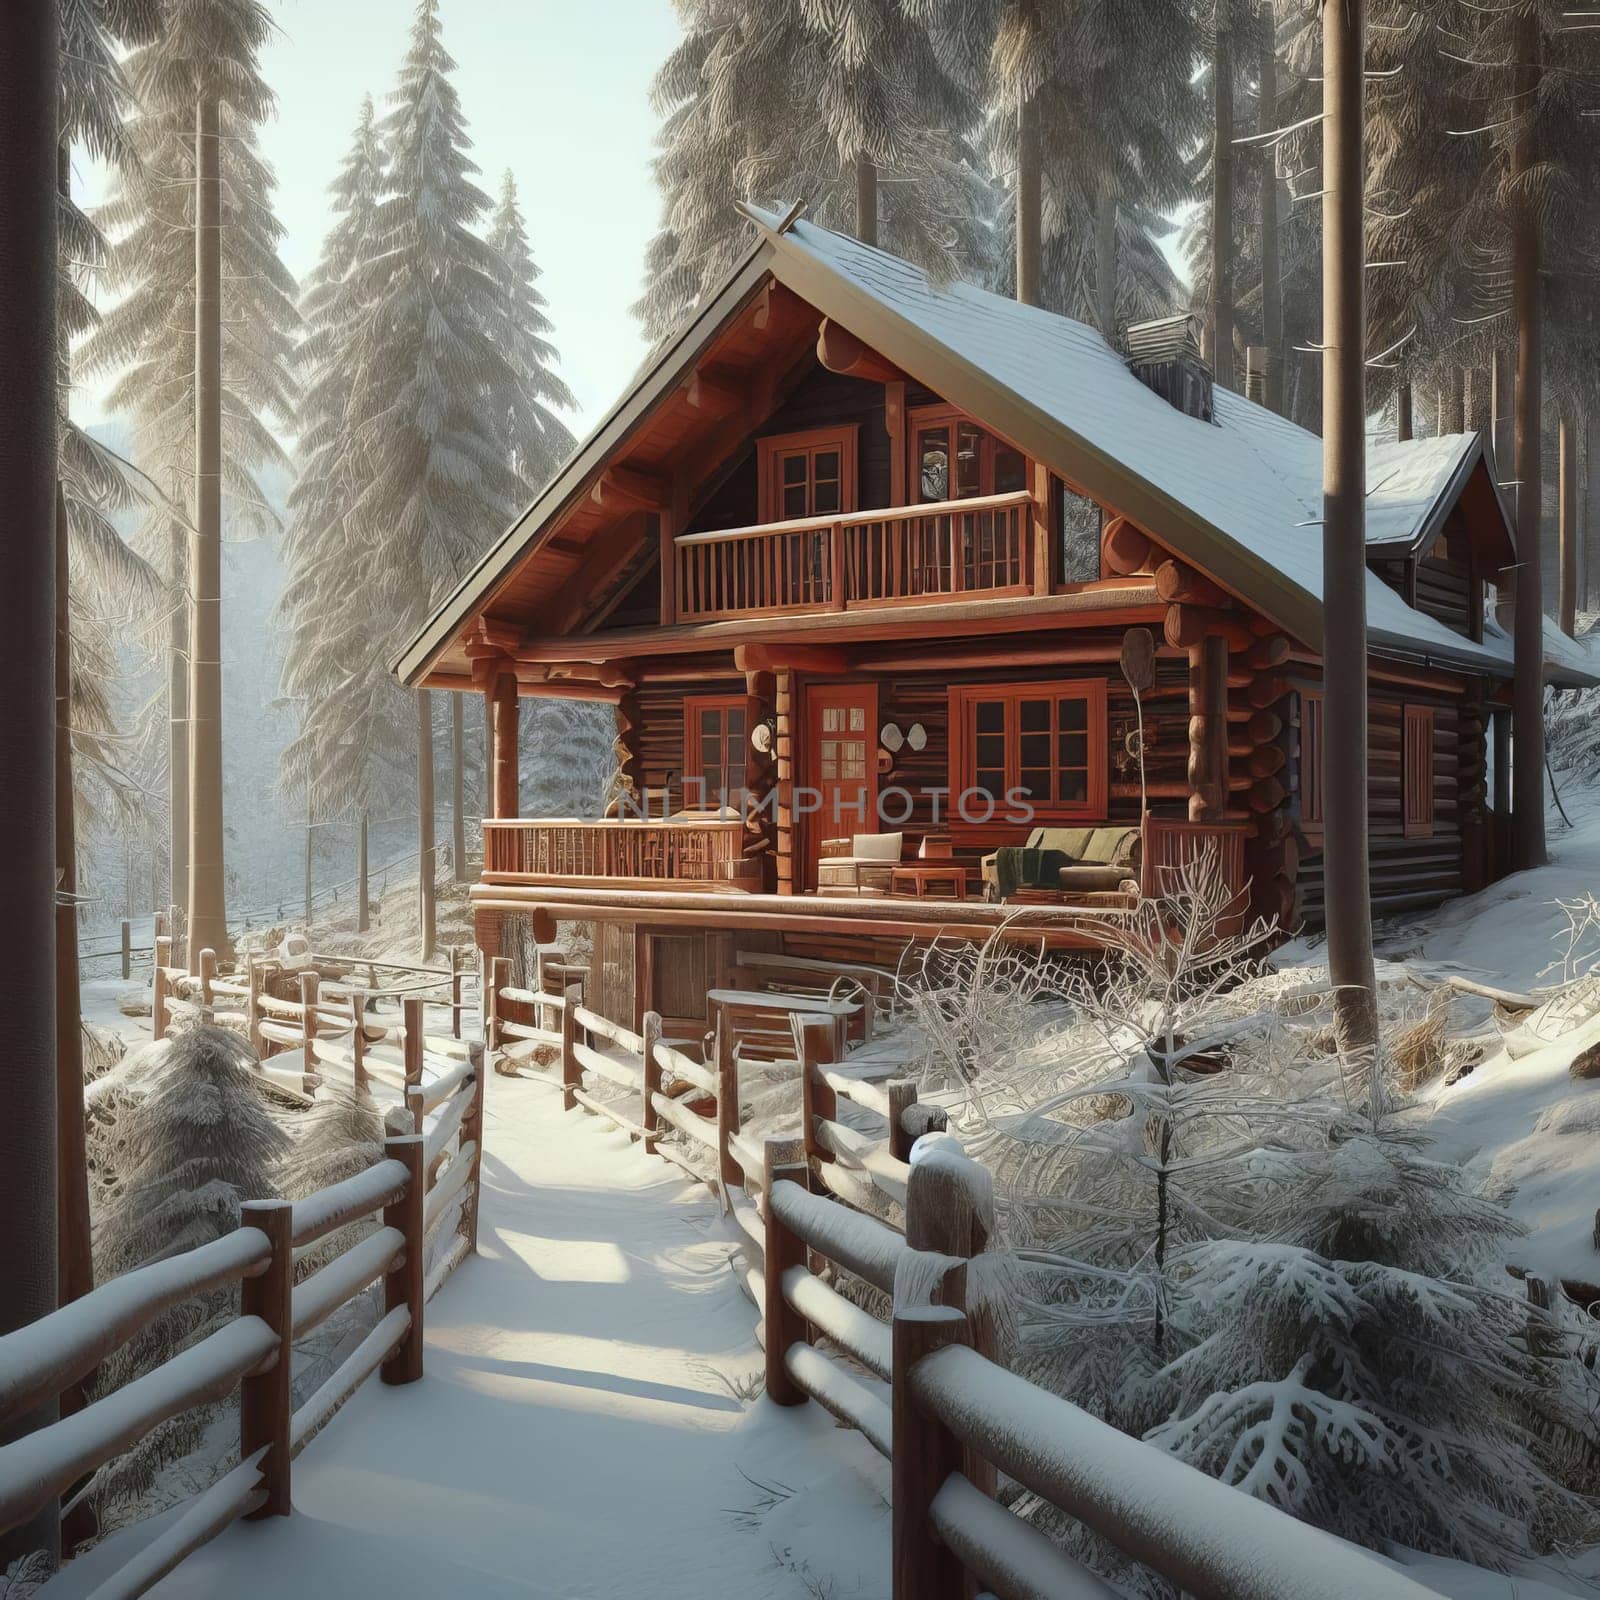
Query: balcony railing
700	853
866	558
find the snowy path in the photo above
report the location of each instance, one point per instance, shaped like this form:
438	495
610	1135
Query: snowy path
572	1439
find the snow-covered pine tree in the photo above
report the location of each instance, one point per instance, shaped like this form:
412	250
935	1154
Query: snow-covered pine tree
198	1141
537	441
888	158
354	723
146	336
438	486
1109	160
338	1138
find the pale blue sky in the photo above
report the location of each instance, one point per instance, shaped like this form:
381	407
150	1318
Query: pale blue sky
556	90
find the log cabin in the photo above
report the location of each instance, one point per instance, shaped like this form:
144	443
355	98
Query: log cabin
859	559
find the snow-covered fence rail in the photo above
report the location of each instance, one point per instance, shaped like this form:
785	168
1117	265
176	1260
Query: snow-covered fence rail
521	1020
253	1351
925	1394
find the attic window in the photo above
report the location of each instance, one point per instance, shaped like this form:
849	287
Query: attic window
952	458
1079	523
811	474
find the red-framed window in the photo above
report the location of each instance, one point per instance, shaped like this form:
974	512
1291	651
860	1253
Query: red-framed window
811	474
1043	742
714	735
1417	771
952	458
1311	760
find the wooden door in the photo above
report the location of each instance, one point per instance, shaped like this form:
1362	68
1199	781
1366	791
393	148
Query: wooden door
841	764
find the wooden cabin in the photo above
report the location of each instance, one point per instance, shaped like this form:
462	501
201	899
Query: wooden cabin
856	546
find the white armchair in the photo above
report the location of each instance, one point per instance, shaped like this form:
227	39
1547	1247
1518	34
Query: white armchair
863	861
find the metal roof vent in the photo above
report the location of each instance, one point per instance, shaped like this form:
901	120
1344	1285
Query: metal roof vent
1164	355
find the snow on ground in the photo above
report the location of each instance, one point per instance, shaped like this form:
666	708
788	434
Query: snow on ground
579	1433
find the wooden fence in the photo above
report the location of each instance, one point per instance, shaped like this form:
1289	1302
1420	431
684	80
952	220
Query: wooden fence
252	1352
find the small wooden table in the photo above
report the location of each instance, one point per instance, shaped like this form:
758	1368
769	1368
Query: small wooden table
914	878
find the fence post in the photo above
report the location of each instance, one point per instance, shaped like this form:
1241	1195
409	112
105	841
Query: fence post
208	973
405	1284
731	1172
816	1098
499	978
158	989
253	977
902	1094
411	1043
949	1210
649	1117
455	991
264	1414
358	1039
472	1128
310	986
781	1158
571	1072
127	949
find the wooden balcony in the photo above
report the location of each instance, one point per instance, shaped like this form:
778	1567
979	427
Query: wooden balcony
893	556
702	854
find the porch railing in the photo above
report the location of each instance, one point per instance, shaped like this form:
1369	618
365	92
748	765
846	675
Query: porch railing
882	557
525	850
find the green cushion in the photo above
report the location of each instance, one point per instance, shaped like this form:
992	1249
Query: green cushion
1074	841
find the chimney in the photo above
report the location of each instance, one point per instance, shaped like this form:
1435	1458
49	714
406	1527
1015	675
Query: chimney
1164	355
1255	374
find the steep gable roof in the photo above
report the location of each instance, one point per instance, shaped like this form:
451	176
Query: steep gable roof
1240	496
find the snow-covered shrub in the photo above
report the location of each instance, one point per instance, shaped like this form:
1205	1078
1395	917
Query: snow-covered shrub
340	1136
195	1141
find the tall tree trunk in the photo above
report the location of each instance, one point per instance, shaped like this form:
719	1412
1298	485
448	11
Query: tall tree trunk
1271	227
1030	202
208	915
866	199
363	892
1567	520
1222	199
1105	264
1502	413
1402	410
178	729
1344	580
1591	503
426	919
309	830
1453	402
29	87
458	804
1527	699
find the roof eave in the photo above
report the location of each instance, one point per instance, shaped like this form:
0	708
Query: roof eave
417	659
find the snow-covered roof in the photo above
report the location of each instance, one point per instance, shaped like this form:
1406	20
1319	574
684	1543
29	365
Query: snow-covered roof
1249	483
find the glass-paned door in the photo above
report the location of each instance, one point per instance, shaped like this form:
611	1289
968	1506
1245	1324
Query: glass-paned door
842	764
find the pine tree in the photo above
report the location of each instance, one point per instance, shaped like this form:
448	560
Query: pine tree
536	441
846	104
438	484
147	335
1092	164
353	730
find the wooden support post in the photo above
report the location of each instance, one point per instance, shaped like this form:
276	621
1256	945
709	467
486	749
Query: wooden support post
472	1131
816	1098
505	799
405	1285
902	1094
411	1045
1037	537
781	1248
158	989
310	987
649	1117
571	1072
727	1103
264	1408
127	949
455	991
1208	729
174	925
208	975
